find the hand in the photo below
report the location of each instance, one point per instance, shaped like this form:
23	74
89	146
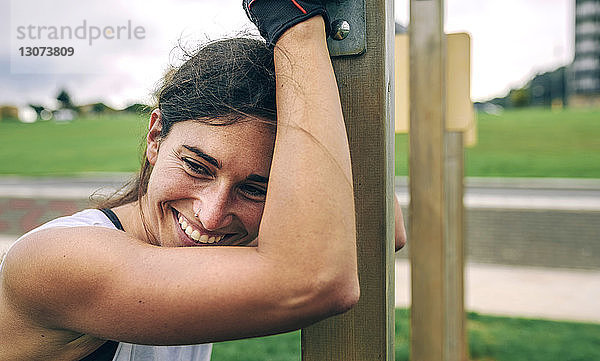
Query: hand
274	17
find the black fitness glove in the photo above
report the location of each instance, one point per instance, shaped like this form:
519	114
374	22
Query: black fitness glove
274	17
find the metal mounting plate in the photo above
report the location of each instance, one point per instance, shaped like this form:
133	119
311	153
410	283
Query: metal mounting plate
353	12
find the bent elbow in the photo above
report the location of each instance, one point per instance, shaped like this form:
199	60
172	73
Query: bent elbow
347	297
338	296
319	297
339	290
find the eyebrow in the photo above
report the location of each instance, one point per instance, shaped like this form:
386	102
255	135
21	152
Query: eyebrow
257	178
216	163
204	156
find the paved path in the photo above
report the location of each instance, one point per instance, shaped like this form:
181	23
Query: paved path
67	188
557	294
524	193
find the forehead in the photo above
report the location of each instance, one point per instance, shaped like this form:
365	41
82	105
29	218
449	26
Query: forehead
242	142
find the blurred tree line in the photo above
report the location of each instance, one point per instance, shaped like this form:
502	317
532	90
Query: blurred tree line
547	89
65	110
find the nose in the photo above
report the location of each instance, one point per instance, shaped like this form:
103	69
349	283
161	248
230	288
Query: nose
212	208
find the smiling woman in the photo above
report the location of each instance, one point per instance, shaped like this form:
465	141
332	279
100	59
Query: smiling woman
246	147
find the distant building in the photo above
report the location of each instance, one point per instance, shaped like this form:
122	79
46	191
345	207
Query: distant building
9	112
399	28
584	72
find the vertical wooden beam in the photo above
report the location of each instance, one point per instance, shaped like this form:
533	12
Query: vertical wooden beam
436	174
426	169
366	90
455	338
459	120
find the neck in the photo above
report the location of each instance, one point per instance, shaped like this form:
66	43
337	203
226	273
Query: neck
131	218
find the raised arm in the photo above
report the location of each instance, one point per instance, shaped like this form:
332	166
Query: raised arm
105	283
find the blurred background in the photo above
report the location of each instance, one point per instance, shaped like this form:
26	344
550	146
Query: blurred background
73	125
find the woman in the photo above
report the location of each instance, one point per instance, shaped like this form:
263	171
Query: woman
128	275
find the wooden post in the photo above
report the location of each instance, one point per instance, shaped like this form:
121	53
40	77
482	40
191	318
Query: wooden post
455	338
366	89
436	208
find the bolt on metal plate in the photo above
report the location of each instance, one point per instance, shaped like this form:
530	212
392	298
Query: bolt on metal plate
340	29
348	34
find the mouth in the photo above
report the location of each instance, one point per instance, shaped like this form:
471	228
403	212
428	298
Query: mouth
195	235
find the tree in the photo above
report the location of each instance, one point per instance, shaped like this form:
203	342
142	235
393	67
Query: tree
64	100
519	97
38	109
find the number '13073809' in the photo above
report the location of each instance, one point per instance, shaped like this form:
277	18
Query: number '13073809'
46	51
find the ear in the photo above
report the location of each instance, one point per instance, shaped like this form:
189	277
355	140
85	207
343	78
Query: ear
153	137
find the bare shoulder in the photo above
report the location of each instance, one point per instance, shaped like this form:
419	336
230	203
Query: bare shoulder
37	276
48	270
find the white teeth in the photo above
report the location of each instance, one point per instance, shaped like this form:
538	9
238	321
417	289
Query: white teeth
195	234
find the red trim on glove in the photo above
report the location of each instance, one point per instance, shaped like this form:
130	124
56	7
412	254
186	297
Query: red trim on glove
293	1
298	6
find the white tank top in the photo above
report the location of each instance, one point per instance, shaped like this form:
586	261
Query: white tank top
128	351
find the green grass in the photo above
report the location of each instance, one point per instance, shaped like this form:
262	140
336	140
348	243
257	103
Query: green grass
95	144
517	143
285	347
529	143
490	338
504	339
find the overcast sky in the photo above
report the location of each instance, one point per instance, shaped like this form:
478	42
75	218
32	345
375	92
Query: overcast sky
512	40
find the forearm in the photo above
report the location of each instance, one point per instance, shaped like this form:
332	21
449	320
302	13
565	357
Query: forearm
309	219
307	93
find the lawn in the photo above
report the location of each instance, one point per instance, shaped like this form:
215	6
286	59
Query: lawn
490	339
96	144
529	143
517	143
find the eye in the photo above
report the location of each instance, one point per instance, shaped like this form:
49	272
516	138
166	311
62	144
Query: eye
196	167
254	192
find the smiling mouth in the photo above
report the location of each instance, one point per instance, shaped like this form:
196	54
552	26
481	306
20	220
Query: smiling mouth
197	235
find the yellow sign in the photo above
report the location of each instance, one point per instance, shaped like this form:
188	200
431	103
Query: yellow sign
460	115
401	83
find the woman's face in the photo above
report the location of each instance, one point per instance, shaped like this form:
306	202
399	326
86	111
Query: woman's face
219	173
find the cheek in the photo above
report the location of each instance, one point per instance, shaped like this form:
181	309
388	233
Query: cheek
169	184
252	215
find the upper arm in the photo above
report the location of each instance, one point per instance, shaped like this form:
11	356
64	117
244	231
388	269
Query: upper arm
102	282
